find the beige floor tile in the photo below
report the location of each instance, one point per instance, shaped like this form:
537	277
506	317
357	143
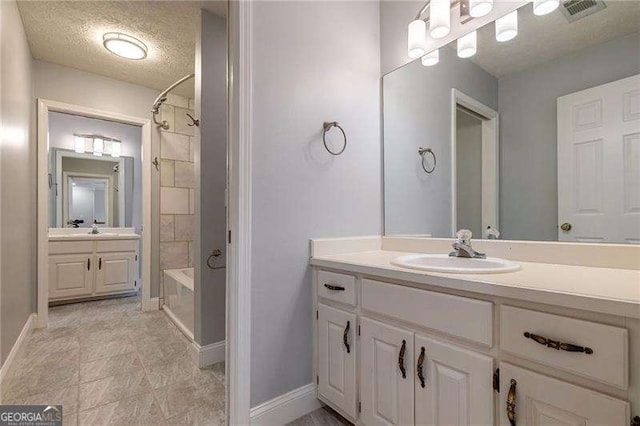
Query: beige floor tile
105	367
138	410
113	388
67	397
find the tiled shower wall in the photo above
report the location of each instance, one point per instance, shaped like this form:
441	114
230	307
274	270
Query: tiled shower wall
176	185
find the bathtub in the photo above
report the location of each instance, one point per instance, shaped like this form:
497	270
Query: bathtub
179	302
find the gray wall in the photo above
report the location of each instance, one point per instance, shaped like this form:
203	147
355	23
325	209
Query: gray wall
312	62
394	18
469	173
417	113
61	130
211	167
59	83
528	131
17	180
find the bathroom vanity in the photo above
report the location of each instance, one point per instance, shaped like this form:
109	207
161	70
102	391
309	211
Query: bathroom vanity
84	265
550	343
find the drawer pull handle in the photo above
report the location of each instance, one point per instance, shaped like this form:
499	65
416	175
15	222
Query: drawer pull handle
88	264
511	403
420	363
403	349
554	344
100	263
334	287
345	337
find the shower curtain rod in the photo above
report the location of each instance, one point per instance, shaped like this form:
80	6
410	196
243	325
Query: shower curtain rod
162	97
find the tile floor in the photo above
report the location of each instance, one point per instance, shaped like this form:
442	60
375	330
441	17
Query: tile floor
324	416
108	363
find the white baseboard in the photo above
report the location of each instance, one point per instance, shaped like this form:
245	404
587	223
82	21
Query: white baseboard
152	304
26	331
204	356
286	408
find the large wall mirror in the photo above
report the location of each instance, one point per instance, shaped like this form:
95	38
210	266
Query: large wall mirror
533	138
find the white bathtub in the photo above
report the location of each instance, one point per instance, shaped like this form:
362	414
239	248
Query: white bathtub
179	302
183	276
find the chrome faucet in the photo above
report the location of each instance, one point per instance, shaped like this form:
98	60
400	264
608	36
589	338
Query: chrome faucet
462	246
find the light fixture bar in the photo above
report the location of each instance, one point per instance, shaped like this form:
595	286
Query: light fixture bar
99	144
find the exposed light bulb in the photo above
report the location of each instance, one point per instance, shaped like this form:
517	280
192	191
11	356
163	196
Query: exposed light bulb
467	45
543	7
507	27
417	40
79	144
431	58
478	8
440	18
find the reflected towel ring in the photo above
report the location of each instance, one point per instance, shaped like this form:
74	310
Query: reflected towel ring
326	126
422	152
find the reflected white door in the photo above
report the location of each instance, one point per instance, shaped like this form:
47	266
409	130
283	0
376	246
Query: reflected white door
599	163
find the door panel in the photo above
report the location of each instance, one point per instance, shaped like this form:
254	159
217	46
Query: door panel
70	275
386	394
336	363
116	272
457	385
541	400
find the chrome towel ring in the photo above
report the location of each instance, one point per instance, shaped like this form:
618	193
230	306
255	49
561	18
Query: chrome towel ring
422	152
326	126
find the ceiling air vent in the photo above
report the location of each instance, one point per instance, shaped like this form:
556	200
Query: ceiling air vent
578	9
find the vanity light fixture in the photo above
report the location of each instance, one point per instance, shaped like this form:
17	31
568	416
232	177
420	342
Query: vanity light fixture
115	148
543	7
417	38
79	144
468	45
440	18
431	58
124	45
98	147
479	8
507	27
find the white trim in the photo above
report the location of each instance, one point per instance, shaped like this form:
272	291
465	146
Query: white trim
24	334
238	315
286	408
490	155
152	304
44	106
204	356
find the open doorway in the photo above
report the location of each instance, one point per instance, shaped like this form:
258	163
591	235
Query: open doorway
474	154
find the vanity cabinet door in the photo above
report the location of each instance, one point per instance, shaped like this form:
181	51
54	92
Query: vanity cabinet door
70	275
386	374
531	399
453	386
337	358
115	272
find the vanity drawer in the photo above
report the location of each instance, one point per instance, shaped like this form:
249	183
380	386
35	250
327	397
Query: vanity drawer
462	317
338	287
70	247
606	362
117	246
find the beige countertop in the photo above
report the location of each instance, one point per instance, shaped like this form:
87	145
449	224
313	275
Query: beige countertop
605	290
90	237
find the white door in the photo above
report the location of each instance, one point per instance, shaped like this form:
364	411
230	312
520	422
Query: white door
116	272
454	386
70	275
599	163
540	400
337	358
386	374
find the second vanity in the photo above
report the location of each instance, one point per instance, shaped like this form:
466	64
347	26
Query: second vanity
550	343
84	265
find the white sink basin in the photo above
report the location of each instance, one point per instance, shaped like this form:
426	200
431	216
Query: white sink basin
455	265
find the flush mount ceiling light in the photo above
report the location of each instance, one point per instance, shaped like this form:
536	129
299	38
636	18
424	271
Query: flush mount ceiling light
507	27
542	7
431	58
124	46
467	45
478	8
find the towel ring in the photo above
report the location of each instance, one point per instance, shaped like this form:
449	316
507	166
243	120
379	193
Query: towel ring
326	126
422	152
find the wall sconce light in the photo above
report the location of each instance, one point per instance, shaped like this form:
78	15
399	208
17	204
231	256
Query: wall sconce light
98	145
543	7
479	8
79	144
417	38
468	45
440	18
507	27
431	58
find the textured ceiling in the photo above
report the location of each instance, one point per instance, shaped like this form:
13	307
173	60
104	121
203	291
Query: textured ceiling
70	33
543	38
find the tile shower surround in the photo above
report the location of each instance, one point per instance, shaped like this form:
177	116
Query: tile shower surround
177	180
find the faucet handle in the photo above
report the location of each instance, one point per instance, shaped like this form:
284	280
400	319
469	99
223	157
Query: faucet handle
464	236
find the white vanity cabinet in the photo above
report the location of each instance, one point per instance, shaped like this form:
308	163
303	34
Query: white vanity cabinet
397	354
92	268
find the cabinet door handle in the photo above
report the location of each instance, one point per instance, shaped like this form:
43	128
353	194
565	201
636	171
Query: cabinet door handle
334	287
511	403
554	344
419	367
403	370
100	263
88	263
345	337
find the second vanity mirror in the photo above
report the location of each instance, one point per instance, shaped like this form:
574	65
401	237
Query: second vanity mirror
533	138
